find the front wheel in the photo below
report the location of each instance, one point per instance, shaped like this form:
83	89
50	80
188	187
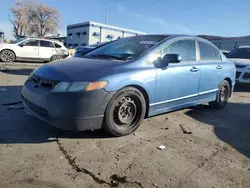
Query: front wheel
124	112
7	56
222	96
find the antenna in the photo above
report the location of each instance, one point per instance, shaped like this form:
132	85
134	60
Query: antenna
106	14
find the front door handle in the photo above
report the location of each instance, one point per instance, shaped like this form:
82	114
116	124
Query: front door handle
219	67
194	69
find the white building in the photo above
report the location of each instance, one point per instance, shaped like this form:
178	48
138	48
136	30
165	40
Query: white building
87	33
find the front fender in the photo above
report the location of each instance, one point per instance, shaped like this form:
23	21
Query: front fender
144	79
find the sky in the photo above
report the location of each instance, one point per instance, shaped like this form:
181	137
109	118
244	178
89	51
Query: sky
213	17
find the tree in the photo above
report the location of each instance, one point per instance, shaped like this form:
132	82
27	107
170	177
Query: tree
19	18
34	19
44	20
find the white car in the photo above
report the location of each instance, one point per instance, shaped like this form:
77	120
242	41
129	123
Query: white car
33	49
241	59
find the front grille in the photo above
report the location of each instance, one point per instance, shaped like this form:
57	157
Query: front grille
246	76
240	66
44	82
238	74
36	108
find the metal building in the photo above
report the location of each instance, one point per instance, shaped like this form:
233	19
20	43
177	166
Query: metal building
86	33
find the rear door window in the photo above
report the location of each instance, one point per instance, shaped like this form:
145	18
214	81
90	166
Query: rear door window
208	52
47	44
185	48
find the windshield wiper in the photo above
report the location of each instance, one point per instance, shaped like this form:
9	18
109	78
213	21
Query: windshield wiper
108	56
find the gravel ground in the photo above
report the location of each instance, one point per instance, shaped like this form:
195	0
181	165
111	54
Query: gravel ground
217	153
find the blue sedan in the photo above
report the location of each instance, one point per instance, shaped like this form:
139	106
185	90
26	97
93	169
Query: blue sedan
119	84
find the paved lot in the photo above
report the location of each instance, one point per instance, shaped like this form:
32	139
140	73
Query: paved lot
217	154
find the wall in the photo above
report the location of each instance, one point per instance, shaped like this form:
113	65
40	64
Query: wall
94	39
90	28
78	39
128	34
104	32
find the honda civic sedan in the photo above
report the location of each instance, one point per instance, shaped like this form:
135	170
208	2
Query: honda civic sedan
119	84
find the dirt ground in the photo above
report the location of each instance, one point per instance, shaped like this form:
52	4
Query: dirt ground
33	154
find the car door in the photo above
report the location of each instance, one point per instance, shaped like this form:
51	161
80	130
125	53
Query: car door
28	49
46	49
211	66
178	84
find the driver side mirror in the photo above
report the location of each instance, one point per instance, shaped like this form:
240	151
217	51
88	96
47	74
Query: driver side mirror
21	45
170	58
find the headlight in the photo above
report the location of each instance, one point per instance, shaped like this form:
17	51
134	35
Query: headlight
79	86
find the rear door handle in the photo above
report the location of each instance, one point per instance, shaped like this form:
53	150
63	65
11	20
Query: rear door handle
219	67
194	69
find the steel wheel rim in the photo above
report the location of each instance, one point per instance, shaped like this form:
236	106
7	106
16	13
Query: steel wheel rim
56	57
7	56
223	94
126	112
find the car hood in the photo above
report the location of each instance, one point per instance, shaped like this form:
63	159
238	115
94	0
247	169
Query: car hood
77	69
240	61
6	45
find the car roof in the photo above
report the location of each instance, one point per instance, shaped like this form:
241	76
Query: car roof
37	38
164	36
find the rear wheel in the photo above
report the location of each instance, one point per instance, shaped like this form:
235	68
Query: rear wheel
7	56
55	57
222	96
125	112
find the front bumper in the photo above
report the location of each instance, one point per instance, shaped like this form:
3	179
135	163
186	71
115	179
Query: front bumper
75	111
243	75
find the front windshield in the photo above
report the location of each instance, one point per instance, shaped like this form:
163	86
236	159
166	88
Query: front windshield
126	48
241	53
17	41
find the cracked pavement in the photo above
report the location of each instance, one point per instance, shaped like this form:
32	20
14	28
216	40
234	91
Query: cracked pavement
33	154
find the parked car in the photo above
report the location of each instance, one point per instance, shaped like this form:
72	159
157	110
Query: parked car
119	84
82	50
227	46
241	58
33	49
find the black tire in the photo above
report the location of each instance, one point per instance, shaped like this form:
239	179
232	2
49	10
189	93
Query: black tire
7	56
55	57
222	96
124	112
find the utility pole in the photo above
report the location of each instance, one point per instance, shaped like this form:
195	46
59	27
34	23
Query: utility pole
106	14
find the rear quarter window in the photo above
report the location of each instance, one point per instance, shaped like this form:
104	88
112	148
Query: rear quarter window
208	52
57	45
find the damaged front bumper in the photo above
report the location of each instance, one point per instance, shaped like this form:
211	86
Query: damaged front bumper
74	111
243	75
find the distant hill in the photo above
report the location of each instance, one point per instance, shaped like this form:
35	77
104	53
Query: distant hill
211	37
